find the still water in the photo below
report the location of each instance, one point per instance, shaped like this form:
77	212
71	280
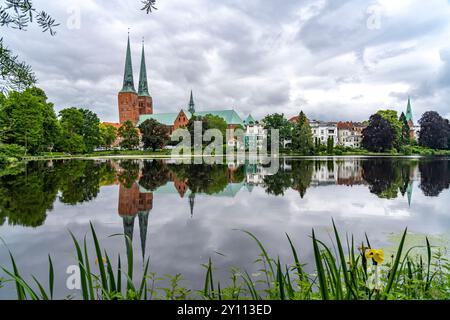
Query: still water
181	215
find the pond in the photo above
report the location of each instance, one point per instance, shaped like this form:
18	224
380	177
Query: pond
182	215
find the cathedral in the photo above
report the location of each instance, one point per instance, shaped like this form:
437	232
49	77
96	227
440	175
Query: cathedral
138	106
131	104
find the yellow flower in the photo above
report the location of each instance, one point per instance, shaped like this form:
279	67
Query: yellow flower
103	258
376	255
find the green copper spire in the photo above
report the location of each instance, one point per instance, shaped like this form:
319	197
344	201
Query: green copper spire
143	85
409	115
128	81
191	108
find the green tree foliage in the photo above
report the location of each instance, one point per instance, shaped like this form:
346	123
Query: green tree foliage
405	136
392	117
208	122
90	130
330	145
108	135
18	14
434	177
434	131
386	177
155	174
80	131
80	181
302	137
154	134
25	197
27	119
378	136
14	74
278	122
71	140
302	173
28	194
129	135
278	183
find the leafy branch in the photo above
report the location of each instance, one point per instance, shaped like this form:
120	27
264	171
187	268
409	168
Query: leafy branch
149	5
17	14
14	74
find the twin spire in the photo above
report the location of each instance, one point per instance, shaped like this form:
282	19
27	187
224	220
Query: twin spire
128	79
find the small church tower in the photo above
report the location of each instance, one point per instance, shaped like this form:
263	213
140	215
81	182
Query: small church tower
128	98
191	107
144	97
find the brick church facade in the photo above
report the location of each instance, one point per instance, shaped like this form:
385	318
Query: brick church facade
133	104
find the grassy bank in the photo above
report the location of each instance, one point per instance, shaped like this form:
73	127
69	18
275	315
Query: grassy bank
410	151
343	271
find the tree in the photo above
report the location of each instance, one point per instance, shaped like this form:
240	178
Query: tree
278	122
71	140
434	131
108	135
378	136
90	130
302	137
392	117
154	134
28	120
330	145
208	122
129	135
405	136
155	174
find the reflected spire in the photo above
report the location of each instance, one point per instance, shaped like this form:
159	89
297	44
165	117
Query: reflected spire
143	224
192	203
409	192
128	228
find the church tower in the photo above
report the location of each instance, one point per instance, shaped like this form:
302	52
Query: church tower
191	107
128	99
144	98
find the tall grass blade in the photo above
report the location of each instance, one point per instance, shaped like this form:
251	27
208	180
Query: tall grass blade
51	276
298	266
319	269
81	267
103	278
88	272
393	273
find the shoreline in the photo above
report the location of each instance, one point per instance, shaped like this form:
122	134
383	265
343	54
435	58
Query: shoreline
168	156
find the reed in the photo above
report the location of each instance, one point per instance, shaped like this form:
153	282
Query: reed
342	272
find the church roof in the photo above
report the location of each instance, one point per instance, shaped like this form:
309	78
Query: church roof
249	120
167	119
230	116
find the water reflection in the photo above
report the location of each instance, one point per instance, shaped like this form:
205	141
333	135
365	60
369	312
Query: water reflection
179	215
27	194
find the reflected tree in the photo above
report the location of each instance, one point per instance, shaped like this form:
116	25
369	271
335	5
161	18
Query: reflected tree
435	177
129	173
26	197
278	183
302	172
154	175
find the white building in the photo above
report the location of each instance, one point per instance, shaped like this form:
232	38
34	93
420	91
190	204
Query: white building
322	131
255	134
350	134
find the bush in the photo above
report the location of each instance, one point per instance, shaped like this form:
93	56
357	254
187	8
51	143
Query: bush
11	151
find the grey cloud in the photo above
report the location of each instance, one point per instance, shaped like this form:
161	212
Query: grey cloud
257	56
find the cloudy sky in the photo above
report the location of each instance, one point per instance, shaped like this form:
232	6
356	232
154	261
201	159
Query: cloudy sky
334	59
